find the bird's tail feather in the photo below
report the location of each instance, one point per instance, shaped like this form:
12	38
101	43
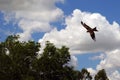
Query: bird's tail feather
94	29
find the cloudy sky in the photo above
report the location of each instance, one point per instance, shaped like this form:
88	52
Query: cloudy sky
59	22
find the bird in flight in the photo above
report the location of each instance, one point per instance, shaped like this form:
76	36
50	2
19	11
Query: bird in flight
90	30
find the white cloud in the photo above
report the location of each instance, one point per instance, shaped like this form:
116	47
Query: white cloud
74	61
101	56
28	5
111	63
75	37
31	15
92	71
115	75
112	60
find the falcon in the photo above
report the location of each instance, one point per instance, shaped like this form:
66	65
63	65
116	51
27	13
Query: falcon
90	30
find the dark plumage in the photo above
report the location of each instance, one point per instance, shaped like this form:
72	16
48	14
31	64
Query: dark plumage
90	30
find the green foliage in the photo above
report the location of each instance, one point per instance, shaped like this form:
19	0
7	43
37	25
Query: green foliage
16	58
85	75
52	63
19	61
101	75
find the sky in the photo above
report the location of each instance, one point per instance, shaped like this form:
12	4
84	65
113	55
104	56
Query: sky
59	22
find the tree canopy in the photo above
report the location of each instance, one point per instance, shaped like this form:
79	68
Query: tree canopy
19	61
101	75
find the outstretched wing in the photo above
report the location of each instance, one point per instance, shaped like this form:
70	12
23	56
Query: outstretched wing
92	34
86	26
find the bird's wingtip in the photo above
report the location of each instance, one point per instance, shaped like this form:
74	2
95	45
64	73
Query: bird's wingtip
81	22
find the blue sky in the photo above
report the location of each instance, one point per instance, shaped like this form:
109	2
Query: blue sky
59	22
108	8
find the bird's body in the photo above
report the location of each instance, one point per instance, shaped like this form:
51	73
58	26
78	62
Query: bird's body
90	30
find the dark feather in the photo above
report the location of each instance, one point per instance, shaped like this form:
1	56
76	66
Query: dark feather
92	34
90	30
86	26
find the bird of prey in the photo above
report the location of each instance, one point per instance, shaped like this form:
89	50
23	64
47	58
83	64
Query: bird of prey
90	30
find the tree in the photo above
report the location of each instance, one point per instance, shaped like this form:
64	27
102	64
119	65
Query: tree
101	75
19	61
53	63
84	75
16	59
